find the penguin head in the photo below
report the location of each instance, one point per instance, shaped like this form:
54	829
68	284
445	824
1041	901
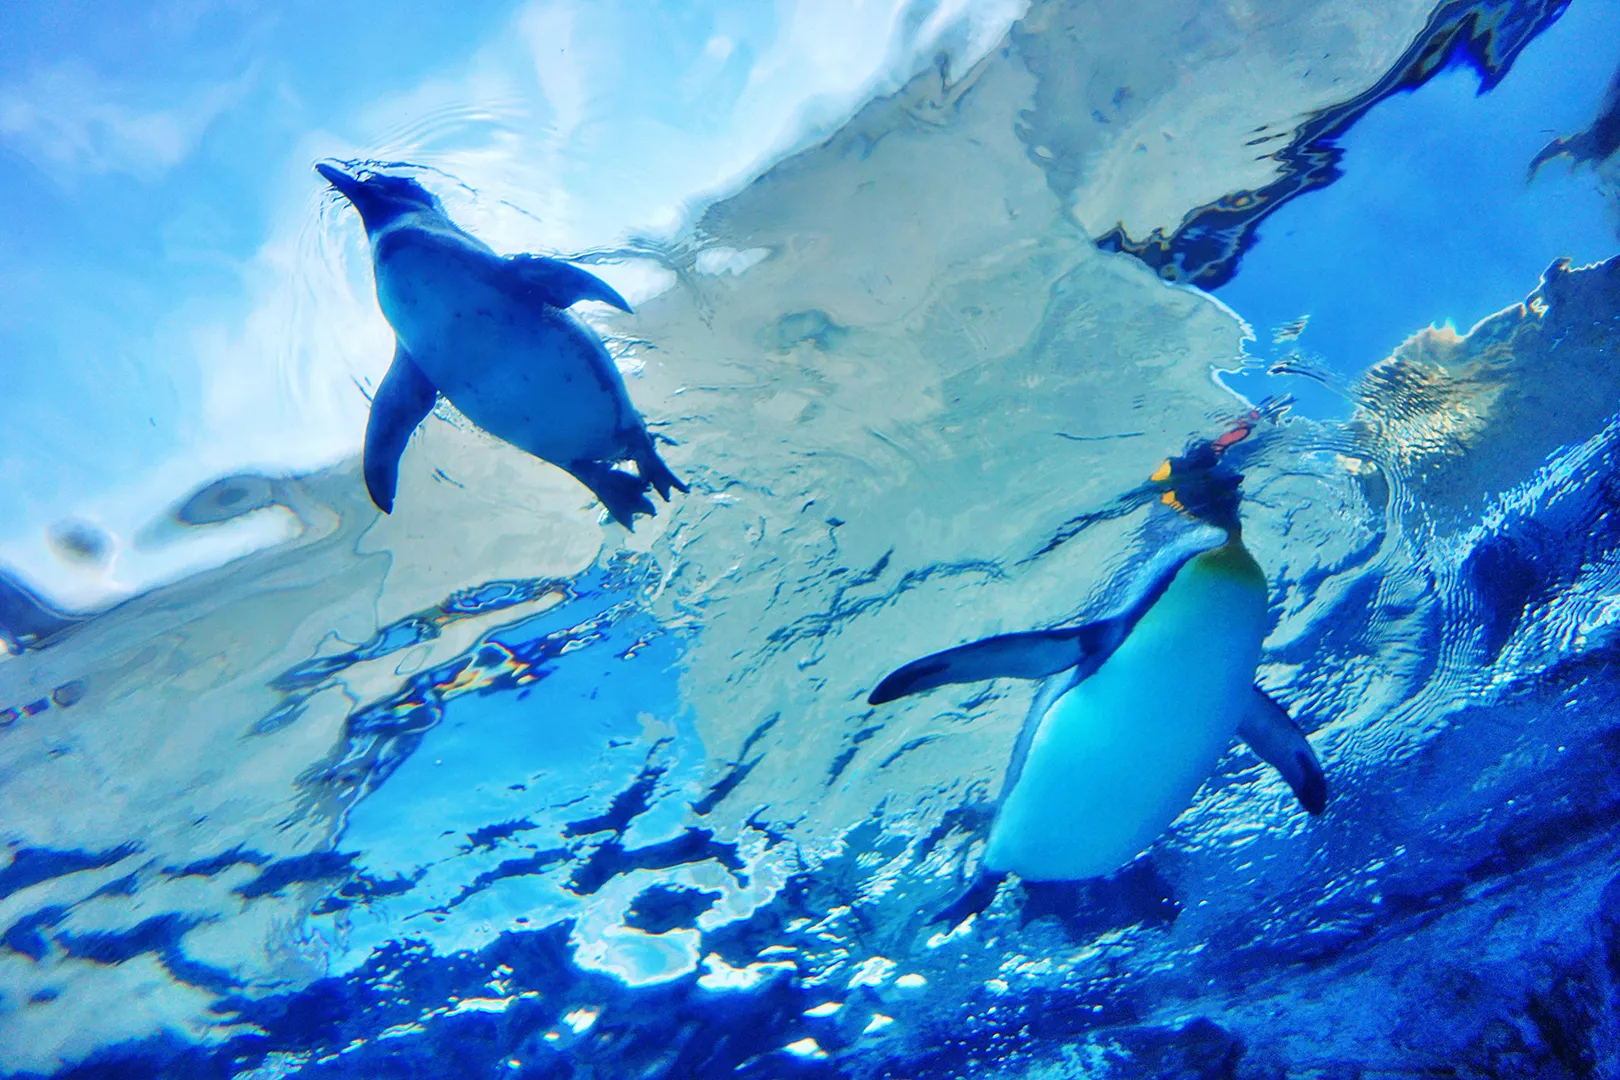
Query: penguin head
379	197
1199	485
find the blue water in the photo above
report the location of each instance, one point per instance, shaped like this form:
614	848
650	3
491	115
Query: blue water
1434	220
491	787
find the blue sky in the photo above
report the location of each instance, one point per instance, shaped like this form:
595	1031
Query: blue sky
1433	220
176	309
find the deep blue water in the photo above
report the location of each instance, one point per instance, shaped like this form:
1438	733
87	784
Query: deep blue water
490	787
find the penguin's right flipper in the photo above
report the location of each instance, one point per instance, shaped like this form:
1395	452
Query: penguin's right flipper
979	896
401	403
1034	654
624	494
561	284
1277	740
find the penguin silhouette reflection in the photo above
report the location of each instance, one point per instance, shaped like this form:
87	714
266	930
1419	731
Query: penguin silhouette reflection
1595	143
494	336
1135	709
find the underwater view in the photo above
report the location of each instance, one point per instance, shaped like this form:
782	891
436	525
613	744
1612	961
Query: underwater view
810	538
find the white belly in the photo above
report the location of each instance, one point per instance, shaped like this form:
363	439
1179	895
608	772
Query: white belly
1117	758
525	373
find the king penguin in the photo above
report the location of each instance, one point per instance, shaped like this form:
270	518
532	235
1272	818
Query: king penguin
1137	708
494	336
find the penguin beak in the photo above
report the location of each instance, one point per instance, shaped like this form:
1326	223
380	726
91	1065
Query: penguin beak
346	185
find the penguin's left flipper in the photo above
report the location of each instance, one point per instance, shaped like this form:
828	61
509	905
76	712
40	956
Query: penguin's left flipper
401	403
1034	654
560	284
1277	741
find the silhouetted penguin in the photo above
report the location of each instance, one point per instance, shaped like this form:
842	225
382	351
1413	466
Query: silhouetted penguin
1597	143
492	335
1137	708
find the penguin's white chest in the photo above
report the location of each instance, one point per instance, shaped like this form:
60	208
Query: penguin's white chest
521	371
1117	758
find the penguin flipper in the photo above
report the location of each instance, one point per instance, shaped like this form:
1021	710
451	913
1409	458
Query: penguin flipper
561	284
624	494
1034	654
978	896
1277	740
1557	148
401	403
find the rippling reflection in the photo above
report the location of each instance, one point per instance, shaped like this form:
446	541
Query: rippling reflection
485	787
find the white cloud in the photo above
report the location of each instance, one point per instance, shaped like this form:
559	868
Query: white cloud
719	47
549	31
68	119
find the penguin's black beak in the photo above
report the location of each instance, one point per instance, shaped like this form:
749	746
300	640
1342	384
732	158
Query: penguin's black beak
373	209
347	186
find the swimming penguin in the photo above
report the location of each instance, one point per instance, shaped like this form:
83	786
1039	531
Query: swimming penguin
1596	143
1137	708
493	335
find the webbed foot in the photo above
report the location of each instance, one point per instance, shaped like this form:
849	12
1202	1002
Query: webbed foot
624	494
652	466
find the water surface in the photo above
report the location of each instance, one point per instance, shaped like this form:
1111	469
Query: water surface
490	787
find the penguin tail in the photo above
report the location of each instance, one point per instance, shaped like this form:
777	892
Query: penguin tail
652	467
624	494
978	896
